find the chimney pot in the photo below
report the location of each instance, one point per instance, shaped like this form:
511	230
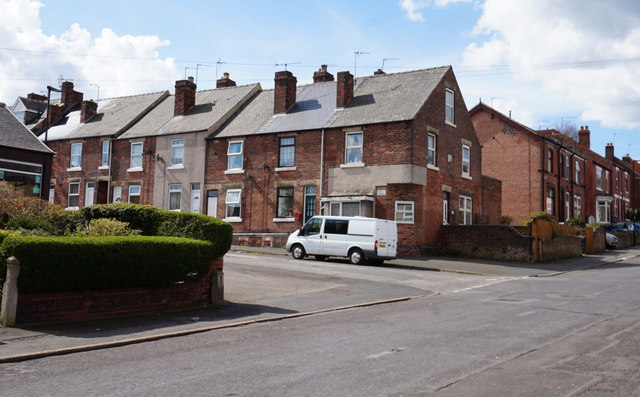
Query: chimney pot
225	81
322	75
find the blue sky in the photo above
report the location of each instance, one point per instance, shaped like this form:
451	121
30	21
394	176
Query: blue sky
550	63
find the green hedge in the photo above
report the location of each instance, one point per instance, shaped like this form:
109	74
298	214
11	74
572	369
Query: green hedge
53	264
152	221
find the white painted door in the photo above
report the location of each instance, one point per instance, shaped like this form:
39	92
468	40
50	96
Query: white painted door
88	196
117	194
195	198
212	203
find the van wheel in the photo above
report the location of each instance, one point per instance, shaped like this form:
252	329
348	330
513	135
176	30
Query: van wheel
297	251
320	258
356	256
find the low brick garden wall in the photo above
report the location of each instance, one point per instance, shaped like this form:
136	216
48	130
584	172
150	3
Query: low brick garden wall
86	305
499	242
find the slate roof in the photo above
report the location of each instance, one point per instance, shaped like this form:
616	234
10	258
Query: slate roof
377	99
14	134
115	115
212	108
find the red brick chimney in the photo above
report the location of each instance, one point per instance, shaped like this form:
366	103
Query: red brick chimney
322	75
378	72
185	96
69	95
54	113
87	110
608	151
285	91
225	81
345	89
36	97
584	137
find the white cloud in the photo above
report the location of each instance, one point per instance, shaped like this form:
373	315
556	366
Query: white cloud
413	8
32	60
551	50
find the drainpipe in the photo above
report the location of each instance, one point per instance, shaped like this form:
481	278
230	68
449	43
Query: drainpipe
109	176
321	165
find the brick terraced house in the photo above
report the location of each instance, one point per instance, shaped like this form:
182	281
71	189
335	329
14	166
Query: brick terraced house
395	146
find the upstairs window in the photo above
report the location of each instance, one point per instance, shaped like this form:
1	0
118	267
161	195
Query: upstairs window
626	181
449	107
606	180
136	155
105	154
598	178
466	160
550	161
354	147
234	155
431	150
577	172
76	155
617	178
177	151
567	172
287	152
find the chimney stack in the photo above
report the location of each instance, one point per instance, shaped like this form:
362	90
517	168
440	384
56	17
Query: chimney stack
87	110
378	72
608	151
285	91
69	95
225	81
185	96
345	89
322	75
36	97
584	137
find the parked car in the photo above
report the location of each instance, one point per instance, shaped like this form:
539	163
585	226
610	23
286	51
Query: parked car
623	227
357	238
611	240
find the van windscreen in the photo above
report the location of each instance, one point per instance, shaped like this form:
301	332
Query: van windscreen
336	226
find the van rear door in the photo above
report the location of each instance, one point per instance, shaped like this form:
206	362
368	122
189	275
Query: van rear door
387	236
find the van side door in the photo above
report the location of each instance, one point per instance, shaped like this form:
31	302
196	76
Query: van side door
311	236
334	241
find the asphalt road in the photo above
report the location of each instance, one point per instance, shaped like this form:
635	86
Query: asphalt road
570	335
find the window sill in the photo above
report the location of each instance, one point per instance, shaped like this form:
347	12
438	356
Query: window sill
352	165
103	167
288	219
233	220
467	177
433	167
72	208
404	222
450	123
72	169
230	172
176	167
135	169
278	169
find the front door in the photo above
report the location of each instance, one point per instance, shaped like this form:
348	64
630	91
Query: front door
309	202
212	203
88	196
195	198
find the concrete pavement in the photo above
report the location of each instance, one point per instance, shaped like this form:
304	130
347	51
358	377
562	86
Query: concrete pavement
19	344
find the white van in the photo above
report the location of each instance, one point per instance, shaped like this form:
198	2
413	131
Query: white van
356	238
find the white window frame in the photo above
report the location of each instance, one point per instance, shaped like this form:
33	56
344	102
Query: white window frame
449	105
135	191
133	157
598	178
626	181
228	203
606	206
567	205
76	194
175	145
431	149
578	172
550	161
467	217
577	206
234	155
76	158
348	148
607	177
466	161
406	214
104	162
175	188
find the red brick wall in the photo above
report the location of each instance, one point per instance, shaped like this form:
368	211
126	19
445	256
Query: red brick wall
86	305
121	160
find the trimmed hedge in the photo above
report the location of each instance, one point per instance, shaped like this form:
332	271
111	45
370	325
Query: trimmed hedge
152	221
54	264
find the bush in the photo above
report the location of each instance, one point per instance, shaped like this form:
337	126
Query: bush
13	205
506	220
32	223
53	264
141	217
198	226
106	227
536	215
576	222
